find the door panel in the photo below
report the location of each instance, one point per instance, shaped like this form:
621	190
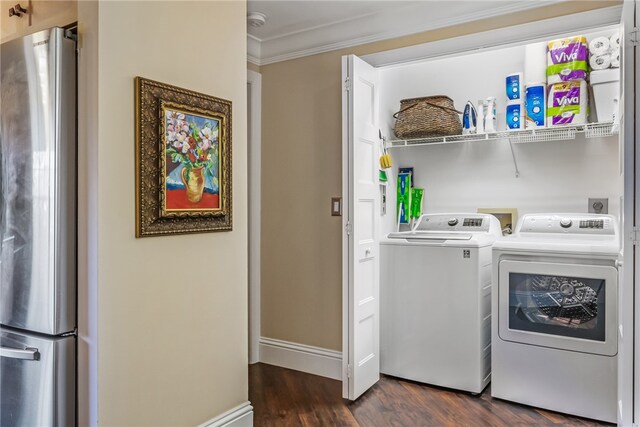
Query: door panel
38	182
562	306
37	381
360	173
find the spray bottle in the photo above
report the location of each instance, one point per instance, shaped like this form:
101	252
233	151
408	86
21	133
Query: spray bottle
480	115
490	116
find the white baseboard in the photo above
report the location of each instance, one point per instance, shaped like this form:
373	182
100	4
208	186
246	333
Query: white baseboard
240	416
301	357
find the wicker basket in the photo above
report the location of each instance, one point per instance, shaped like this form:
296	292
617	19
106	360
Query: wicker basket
427	116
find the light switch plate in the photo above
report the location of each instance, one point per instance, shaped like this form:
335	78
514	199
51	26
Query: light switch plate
598	206
336	206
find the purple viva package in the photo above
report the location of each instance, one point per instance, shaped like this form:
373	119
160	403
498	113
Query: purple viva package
567	59
567	103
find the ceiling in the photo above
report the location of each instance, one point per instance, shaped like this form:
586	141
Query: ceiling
297	28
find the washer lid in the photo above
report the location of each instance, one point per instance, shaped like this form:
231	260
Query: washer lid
426	235
440	240
467	229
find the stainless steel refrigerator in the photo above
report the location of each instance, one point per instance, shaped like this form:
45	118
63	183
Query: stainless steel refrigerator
38	230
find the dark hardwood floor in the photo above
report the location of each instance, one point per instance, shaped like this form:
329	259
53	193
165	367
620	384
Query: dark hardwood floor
283	397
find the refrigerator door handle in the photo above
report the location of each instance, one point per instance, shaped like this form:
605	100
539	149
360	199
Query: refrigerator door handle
28	353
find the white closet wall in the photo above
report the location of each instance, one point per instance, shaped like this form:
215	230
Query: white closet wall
556	176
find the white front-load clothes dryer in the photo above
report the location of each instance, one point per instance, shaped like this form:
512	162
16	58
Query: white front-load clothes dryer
554	305
435	301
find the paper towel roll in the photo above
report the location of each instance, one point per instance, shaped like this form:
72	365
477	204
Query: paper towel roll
567	59
614	41
567	103
599	46
615	58
600	62
535	63
555	78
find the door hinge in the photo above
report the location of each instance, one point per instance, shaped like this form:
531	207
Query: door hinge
635	236
71	34
634	36
348	228
349	371
347	84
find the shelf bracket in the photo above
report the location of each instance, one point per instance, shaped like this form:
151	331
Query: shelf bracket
515	163
634	36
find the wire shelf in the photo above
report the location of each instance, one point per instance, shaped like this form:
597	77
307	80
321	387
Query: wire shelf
542	135
590	130
598	130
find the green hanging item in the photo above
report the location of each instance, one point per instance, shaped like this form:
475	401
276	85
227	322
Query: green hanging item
416	202
403	204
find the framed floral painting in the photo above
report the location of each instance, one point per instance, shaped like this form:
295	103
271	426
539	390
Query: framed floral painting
183	160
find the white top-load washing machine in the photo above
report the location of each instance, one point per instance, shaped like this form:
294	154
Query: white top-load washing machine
555	313
435	301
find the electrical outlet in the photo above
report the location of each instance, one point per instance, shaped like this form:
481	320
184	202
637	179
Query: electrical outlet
598	206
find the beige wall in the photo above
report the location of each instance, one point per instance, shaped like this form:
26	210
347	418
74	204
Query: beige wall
301	170
171	311
253	67
42	14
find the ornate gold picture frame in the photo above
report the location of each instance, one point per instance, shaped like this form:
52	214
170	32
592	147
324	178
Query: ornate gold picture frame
183	160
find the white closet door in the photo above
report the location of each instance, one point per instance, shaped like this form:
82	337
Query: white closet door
361	343
631	61
630	137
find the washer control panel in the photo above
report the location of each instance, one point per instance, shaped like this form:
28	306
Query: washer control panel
593	224
457	222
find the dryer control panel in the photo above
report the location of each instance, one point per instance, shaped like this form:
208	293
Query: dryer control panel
591	224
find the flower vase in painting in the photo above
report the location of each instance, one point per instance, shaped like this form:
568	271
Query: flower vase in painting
192	161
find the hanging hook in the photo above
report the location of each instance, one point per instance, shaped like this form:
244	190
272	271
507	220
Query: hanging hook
17	10
20	9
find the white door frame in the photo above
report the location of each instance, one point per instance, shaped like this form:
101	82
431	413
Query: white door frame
631	267
254	94
631	386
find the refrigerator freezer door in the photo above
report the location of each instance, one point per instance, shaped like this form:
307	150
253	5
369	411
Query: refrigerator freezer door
38	183
37	381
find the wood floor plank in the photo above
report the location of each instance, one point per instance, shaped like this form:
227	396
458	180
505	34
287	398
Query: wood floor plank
285	398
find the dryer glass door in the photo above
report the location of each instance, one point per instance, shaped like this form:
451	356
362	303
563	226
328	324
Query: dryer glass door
564	306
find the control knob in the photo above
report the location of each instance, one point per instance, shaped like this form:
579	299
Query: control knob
453	221
565	223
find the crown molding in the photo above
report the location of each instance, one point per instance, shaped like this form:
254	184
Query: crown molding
253	49
254	60
530	32
340	34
